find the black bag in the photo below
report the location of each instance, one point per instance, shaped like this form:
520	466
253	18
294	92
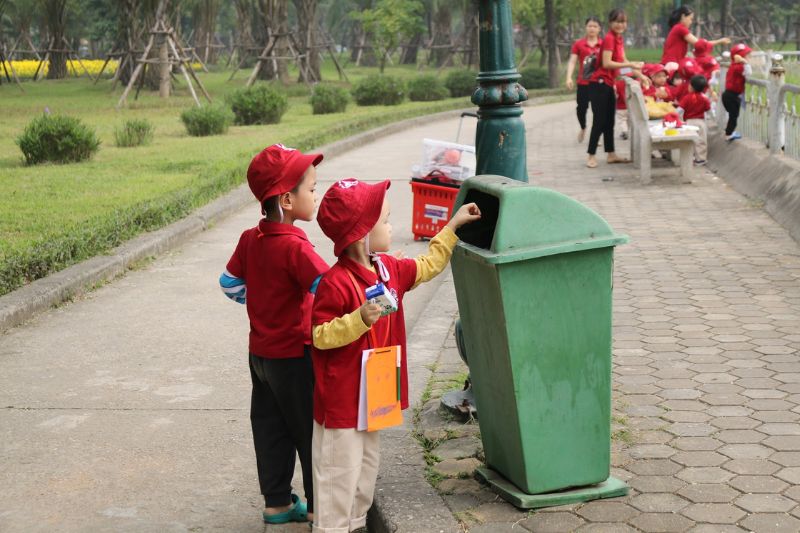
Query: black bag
590	64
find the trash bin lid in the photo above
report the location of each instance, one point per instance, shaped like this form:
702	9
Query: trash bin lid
520	221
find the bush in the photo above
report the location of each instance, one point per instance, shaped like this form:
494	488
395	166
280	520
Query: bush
461	83
57	139
328	99
427	89
207	120
260	104
377	89
534	78
134	132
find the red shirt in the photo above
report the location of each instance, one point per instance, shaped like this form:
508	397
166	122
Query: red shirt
679	91
614	42
278	265
734	80
621	103
708	64
695	105
583	49
675	47
337	372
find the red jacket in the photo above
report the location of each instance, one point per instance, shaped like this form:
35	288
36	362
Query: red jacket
279	265
337	372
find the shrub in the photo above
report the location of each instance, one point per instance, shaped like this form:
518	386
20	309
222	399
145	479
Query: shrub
534	78
377	89
134	132
328	99
461	83
57	139
260	104
427	89
207	120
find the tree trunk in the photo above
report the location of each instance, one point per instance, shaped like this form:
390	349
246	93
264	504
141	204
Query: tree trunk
552	61
164	69
442	24
306	37
472	27
205	23
275	17
724	14
410	51
56	15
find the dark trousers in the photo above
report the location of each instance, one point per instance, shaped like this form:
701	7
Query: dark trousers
583	104
604	103
732	105
281	414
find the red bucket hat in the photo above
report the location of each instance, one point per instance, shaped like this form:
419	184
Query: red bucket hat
740	49
277	169
688	67
651	69
349	210
702	48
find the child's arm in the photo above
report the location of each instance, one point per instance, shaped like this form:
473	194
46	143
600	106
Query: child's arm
233	287
345	329
441	247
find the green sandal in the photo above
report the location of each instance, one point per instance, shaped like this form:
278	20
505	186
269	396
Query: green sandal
296	513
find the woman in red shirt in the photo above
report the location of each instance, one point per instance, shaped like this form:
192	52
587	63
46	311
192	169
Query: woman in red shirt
601	87
583	49
679	38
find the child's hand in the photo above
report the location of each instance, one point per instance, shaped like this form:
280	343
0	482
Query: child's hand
466	213
370	313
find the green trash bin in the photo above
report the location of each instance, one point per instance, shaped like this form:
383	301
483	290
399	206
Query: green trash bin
533	281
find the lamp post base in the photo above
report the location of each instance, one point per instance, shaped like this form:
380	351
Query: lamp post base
610	488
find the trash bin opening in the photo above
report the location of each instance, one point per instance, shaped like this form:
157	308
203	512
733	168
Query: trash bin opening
481	232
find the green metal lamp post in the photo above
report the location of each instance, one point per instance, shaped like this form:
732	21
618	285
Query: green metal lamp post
500	137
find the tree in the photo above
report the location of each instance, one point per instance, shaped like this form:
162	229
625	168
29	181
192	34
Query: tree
55	12
388	22
307	26
552	54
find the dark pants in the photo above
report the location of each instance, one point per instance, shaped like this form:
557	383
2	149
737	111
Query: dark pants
732	105
281	414
583	104
604	103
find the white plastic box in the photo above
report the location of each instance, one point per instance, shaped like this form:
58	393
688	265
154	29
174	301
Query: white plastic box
456	161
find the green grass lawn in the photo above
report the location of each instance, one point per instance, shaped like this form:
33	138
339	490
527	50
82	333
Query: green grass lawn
55	215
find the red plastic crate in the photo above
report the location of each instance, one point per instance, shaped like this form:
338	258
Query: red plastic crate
433	207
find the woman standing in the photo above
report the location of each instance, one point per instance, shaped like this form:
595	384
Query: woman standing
679	38
586	48
601	87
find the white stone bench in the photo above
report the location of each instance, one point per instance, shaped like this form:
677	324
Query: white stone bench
643	142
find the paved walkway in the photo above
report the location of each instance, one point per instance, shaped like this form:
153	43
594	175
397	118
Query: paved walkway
128	409
706	364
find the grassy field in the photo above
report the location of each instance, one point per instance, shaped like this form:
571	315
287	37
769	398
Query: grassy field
54	215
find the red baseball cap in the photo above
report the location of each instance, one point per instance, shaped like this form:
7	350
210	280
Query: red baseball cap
702	48
740	49
688	67
277	169
349	210
651	69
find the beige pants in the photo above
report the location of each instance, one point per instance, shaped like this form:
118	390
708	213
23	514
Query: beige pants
345	470
701	146
621	121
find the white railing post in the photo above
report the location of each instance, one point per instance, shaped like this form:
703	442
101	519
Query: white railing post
722	114
776	124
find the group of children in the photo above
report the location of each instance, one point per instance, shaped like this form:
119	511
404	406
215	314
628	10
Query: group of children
309	326
685	86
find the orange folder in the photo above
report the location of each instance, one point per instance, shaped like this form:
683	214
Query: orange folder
382	380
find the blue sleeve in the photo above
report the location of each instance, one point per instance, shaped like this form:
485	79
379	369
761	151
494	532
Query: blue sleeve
315	284
233	287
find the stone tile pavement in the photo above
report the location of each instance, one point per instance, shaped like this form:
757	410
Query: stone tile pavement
706	371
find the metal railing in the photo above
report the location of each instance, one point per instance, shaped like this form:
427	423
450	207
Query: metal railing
770	111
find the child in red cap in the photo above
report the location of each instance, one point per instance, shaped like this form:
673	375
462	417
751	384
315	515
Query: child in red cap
274	271
695	105
734	88
355	216
703	57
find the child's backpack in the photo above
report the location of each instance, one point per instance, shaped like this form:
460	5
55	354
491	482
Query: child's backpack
589	66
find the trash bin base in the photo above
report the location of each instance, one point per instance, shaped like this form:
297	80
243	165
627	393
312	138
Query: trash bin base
610	488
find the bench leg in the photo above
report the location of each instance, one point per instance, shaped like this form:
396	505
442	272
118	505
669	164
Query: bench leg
645	163
687	167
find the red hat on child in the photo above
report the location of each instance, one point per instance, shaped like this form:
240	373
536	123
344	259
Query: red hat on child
349	210
740	49
651	69
688	67
702	48
277	169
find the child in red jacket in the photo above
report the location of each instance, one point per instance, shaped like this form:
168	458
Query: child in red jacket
355	216
274	271
695	104
734	88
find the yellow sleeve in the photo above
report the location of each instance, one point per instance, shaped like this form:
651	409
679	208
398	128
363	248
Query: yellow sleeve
439	251
339	332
